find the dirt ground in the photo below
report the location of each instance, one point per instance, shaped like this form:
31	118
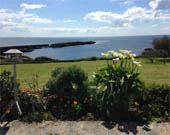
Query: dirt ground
83	128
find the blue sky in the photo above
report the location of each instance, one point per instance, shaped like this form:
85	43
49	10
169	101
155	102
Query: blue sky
82	18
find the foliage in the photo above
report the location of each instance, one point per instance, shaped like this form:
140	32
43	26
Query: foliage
156	102
37	117
150	54
118	84
162	45
32	98
66	86
26	59
7	94
43	59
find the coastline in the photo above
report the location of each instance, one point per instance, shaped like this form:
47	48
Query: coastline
30	48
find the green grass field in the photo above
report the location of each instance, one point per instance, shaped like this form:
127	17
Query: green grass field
158	73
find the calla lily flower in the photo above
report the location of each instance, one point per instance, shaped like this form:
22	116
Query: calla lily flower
105	54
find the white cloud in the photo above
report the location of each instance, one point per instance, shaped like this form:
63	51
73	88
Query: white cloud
134	14
102	16
125	2
80	30
21	16
36	19
160	4
128	2
3	10
70	21
31	6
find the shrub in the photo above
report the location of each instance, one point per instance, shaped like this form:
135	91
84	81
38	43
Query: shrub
32	98
162	45
37	117
93	58
119	86
26	59
7	94
156	103
68	86
43	59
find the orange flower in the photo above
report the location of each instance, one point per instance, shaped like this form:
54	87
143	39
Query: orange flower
7	111
31	91
75	102
26	89
54	107
23	90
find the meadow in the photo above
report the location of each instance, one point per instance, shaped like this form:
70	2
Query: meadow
150	73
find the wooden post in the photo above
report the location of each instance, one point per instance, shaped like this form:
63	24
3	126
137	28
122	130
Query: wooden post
16	90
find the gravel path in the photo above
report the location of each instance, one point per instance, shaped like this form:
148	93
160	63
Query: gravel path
83	128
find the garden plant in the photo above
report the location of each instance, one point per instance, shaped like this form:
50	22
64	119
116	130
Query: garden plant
118	85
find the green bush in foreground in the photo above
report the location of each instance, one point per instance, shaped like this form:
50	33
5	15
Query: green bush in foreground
7	95
37	117
69	89
156	102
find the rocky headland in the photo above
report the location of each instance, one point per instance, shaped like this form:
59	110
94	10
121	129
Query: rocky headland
30	48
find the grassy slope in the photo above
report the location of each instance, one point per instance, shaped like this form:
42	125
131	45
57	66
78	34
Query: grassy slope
150	73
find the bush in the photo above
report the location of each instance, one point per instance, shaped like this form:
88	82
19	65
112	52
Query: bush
26	59
43	59
119	86
32	98
93	58
156	103
7	94
162	45
37	117
68	87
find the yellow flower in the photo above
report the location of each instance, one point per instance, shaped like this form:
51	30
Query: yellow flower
125	52
136	103
105	54
113	53
121	56
132	56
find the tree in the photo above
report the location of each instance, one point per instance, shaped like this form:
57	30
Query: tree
162	45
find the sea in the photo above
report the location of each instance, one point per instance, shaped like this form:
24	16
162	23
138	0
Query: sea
136	44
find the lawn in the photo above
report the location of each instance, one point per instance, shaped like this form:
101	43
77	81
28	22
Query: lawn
157	72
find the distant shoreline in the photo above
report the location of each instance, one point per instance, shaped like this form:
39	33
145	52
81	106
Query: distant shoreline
30	48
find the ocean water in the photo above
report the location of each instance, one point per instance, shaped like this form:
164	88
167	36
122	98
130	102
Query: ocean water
134	43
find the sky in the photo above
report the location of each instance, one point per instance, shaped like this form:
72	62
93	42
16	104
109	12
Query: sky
84	18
